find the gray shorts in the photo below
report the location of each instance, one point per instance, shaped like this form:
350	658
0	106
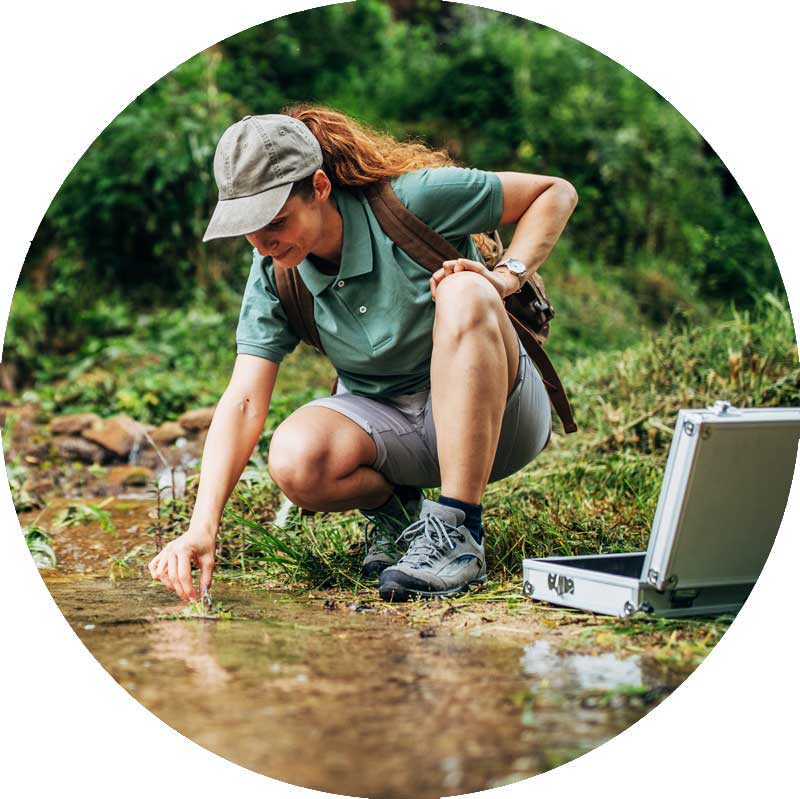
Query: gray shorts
403	431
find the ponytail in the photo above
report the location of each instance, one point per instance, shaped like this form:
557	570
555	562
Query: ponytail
356	155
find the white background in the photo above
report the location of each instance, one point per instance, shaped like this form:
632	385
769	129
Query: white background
68	69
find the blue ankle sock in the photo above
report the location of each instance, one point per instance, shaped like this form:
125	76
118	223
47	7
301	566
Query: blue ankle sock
473	520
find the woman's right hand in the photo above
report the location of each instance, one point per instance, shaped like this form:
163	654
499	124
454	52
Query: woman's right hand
173	565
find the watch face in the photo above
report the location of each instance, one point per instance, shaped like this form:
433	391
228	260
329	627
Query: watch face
516	267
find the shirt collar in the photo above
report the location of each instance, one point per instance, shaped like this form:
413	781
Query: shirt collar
356	245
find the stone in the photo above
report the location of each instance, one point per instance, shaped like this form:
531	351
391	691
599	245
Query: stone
119	434
72	423
79	449
168	432
130	476
198	419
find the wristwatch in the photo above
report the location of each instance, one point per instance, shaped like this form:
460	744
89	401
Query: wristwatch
517	268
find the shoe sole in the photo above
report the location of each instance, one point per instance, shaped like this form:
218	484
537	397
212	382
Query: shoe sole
394	592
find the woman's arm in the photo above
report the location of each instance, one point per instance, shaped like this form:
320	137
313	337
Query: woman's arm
540	206
235	428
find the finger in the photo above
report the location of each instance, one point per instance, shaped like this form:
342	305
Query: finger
206	573
457	263
161	566
464	265
185	576
172	574
433	289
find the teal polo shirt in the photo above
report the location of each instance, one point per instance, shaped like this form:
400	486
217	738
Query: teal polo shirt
375	318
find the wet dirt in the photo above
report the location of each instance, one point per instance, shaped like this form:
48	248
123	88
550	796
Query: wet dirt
354	702
93	548
344	693
355	699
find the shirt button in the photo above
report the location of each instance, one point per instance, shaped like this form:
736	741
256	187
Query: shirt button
362	309
340	283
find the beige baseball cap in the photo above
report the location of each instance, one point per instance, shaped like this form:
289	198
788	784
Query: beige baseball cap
258	159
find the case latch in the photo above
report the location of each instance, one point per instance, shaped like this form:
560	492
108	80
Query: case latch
723	408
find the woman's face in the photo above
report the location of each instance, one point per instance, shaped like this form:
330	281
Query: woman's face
296	230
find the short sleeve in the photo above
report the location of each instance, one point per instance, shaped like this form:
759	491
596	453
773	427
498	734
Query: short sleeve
263	328
455	202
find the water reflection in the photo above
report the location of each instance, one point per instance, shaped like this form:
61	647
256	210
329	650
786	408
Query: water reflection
575	672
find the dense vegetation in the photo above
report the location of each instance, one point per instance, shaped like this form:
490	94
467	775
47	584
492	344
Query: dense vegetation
661	222
591	492
665	287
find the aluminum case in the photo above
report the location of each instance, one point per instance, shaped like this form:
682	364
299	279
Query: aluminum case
723	496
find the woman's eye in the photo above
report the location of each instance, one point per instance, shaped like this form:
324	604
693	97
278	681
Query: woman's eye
276	225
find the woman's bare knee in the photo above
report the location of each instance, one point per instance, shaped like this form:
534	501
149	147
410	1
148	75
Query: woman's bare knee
311	450
296	466
465	302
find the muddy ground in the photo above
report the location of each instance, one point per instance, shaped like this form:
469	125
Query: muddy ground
340	692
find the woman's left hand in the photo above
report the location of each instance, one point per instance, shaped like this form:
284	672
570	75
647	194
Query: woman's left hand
504	282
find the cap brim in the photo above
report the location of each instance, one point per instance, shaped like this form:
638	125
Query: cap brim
243	215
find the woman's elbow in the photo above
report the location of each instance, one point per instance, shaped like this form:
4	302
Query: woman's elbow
568	193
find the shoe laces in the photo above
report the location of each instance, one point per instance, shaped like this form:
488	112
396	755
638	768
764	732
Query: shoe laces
428	538
376	533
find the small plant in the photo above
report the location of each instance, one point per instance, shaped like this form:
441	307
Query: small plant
125	565
76	515
204	609
40	545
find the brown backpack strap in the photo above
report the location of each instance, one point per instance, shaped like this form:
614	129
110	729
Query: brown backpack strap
550	378
407	231
298	304
429	249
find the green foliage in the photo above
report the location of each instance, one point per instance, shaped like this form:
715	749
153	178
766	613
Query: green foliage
153	366
40	545
17	473
319	555
81	515
499	92
135	206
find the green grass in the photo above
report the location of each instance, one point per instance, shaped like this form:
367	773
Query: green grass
592	492
40	544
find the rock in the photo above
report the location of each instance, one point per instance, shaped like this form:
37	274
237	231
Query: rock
79	449
130	476
167	433
38	451
37	485
119	434
198	419
73	423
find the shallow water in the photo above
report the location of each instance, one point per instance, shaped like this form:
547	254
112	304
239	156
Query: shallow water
355	703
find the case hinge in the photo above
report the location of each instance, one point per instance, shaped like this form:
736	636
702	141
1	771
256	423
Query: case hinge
628	609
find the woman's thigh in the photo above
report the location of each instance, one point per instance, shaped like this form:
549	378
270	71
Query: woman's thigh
405	436
526	425
402	454
316	443
527	422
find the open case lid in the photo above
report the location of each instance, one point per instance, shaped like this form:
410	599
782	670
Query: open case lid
724	493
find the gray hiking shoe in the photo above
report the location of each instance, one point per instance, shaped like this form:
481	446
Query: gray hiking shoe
443	559
382	532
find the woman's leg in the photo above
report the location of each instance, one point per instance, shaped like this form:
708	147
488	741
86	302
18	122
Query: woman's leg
322	461
473	369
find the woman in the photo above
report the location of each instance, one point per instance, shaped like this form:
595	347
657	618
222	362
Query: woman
434	387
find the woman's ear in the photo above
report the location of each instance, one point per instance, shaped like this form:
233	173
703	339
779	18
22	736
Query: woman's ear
322	186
